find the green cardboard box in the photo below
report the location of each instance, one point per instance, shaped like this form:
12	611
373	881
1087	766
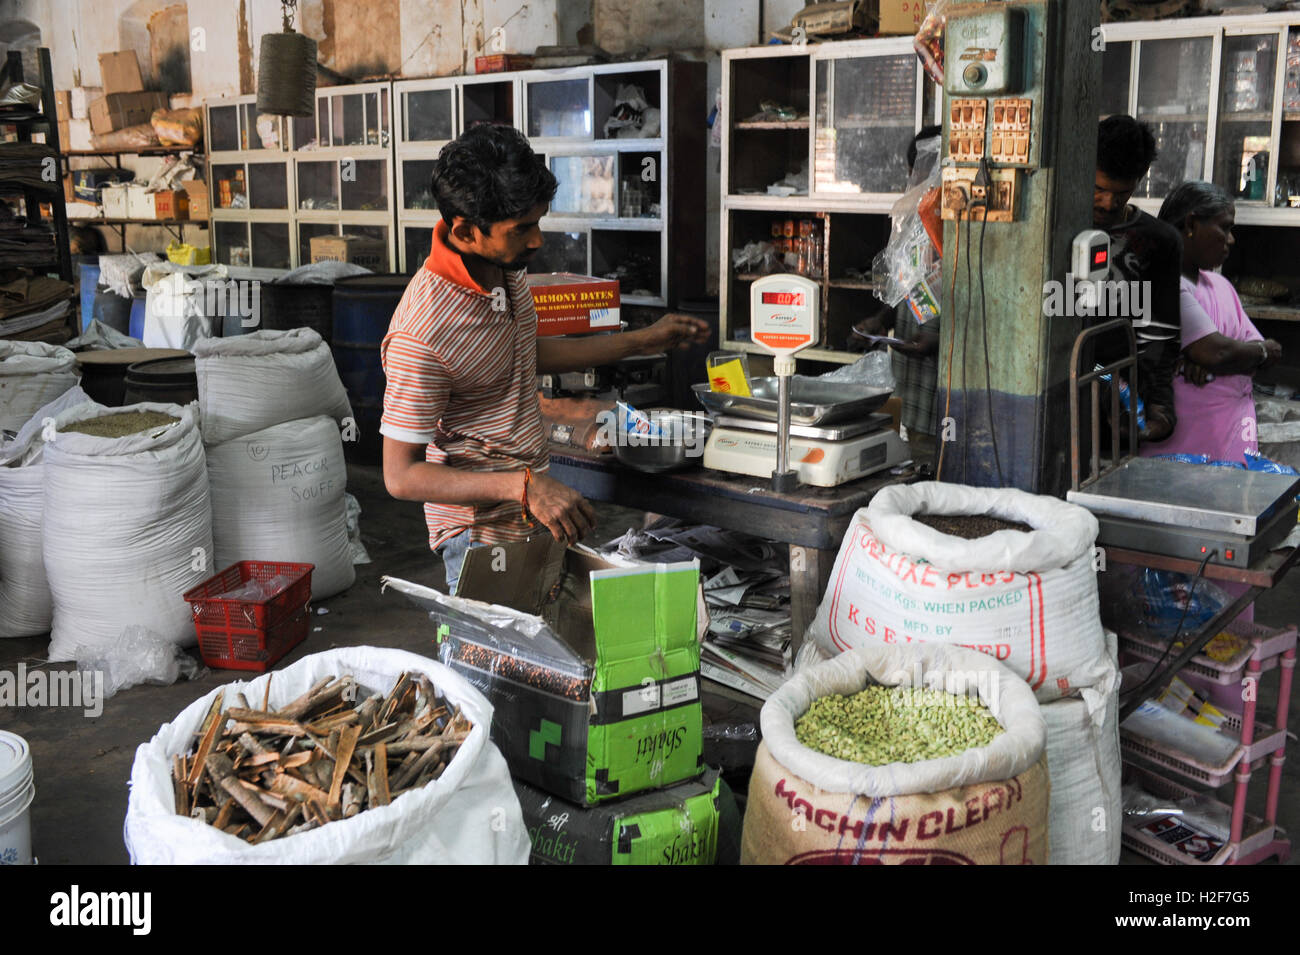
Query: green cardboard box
593	670
675	826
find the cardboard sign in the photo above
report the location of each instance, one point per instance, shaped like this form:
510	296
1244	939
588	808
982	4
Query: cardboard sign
570	304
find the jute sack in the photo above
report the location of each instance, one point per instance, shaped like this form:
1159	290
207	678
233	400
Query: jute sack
985	806
1028	600
32	374
255	381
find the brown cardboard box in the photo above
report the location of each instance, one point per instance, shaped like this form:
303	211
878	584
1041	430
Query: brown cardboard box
569	304
120	72
169	204
119	110
502	63
358	249
902	17
196	190
63	105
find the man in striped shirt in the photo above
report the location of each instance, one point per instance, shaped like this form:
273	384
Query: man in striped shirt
462	422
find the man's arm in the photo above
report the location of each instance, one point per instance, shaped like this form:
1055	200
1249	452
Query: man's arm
408	477
555	355
1159	344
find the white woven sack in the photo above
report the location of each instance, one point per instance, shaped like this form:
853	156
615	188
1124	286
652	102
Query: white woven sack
469	815
25	603
1027	599
251	382
1083	760
278	494
32	374
128	529
1012	752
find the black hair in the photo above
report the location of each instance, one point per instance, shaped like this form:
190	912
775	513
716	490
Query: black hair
490	174
1194	200
1126	148
925	133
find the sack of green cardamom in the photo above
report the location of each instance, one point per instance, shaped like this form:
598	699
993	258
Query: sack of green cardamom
922	754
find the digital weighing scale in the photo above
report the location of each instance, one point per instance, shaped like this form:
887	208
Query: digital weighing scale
825	456
1189	511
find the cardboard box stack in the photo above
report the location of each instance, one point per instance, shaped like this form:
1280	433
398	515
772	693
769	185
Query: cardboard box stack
594	679
125	101
569	304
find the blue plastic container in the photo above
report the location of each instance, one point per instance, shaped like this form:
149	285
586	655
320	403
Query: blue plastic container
137	315
363	307
89	278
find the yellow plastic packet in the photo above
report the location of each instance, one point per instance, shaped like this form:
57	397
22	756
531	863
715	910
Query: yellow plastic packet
728	372
186	254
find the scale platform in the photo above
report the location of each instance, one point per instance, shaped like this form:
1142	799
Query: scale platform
822	457
1182	510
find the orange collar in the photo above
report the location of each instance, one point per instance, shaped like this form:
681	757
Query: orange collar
445	261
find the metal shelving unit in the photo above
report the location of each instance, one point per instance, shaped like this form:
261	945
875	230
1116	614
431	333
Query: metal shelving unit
242	143
857	104
45	122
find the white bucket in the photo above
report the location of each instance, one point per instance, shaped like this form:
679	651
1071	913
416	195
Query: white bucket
17	790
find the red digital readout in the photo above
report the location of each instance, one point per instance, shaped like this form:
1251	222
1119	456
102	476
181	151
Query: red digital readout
783	298
1099	257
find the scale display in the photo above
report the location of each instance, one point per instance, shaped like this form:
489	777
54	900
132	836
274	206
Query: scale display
784	315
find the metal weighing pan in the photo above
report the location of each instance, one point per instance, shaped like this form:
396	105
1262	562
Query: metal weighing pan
812	402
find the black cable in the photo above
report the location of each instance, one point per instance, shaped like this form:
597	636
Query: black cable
988	369
965	337
1186	607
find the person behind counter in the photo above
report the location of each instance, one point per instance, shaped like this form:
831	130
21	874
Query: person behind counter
462	421
1221	347
915	363
1142	249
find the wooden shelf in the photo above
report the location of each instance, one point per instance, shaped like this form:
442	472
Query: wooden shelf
194	222
860	284
774	124
1175	117
1273	313
140	151
1254	116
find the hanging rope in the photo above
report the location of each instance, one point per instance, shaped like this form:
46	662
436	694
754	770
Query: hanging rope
286	70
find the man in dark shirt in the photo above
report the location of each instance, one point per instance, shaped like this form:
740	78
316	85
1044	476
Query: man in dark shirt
1142	249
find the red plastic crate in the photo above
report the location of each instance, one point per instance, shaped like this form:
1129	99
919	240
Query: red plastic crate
250	634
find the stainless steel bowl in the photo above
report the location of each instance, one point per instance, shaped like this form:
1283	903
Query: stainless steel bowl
679	445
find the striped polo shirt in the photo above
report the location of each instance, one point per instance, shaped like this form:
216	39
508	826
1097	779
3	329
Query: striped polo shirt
462	380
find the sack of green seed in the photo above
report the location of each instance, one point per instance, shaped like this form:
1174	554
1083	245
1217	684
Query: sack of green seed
957	771
998	570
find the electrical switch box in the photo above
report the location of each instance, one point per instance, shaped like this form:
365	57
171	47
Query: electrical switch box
967	122
962	198
1011	130
984	52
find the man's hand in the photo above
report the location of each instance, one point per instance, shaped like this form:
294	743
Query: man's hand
675	331
566	514
1274	353
875	325
1159	426
1193	373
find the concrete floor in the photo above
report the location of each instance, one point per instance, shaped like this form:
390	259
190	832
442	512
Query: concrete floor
82	765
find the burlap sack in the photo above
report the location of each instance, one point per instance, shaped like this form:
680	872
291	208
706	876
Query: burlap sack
986	806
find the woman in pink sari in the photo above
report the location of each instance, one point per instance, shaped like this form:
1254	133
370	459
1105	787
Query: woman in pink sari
1222	349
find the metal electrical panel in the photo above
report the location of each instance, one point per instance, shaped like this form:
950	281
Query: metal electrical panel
989	139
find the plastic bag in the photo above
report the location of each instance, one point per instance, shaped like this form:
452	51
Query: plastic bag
121	273
928	42
138	656
874	369
632	116
131	137
757	257
178	127
1163	595
98	337
257	591
909	260
1257	462
358	549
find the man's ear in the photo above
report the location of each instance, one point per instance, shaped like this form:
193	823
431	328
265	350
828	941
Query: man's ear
464	231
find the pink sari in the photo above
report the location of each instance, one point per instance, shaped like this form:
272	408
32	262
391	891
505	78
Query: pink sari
1218	418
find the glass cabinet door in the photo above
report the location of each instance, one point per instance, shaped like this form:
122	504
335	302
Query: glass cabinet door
1288	158
270	245
268	185
559	108
310	230
1245	130
231	191
1174	98
418	240
1116	72
487	103
318	186
231	242
417	184
561	252
257	130
223	136
865	119
304	132
427	116
586	185
364	184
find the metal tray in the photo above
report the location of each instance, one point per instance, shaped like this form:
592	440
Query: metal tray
812	402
